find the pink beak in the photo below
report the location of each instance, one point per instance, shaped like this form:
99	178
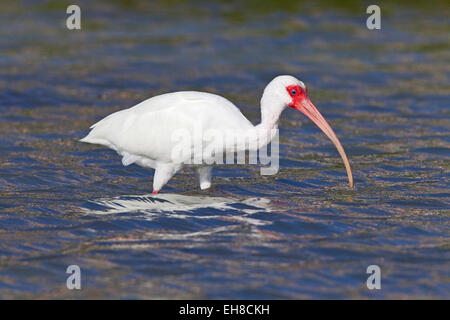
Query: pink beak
308	109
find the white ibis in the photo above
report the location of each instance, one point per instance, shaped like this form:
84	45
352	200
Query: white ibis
143	134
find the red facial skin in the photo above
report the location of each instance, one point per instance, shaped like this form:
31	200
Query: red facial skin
298	97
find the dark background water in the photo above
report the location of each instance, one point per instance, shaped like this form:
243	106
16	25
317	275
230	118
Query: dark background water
300	234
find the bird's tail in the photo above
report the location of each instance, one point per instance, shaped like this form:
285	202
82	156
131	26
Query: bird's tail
90	138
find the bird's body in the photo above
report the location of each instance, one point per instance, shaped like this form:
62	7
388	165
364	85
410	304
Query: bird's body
144	134
143	130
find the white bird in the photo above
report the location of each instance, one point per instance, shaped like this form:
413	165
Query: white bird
144	134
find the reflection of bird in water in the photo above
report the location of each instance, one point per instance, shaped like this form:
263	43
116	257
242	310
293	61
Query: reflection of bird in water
202	216
170	203
143	134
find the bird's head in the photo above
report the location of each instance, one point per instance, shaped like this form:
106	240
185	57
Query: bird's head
287	91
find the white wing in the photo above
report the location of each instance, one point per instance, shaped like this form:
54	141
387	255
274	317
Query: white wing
150	129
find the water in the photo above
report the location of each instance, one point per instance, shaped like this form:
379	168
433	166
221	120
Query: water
300	234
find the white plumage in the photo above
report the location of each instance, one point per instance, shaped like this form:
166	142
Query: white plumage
144	133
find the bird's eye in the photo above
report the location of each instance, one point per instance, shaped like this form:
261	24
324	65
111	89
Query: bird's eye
293	92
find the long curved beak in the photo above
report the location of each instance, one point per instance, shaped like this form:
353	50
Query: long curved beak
309	110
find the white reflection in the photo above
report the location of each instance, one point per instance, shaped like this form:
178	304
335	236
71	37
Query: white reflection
182	207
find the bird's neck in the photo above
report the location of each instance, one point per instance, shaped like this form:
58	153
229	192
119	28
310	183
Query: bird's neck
270	117
271	108
269	121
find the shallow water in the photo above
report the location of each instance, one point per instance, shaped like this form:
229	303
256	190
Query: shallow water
300	234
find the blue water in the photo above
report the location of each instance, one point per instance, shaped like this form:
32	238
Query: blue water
300	234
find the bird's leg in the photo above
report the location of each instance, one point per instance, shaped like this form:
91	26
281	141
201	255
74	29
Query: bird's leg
204	176
162	175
